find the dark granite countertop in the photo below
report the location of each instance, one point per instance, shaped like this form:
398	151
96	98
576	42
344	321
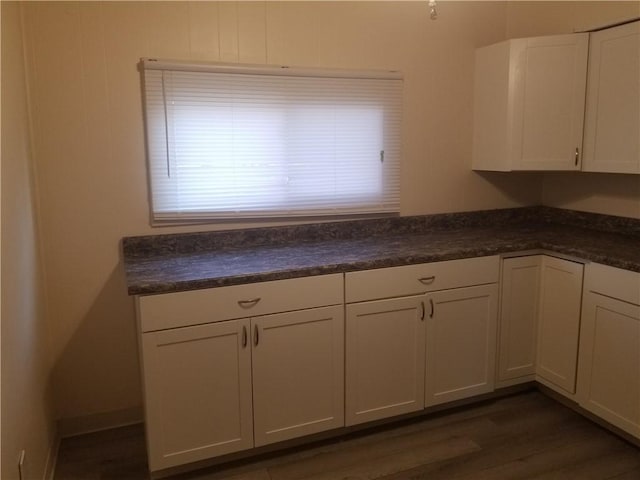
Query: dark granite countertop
170	263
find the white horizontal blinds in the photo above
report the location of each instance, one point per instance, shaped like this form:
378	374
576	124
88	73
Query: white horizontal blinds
227	144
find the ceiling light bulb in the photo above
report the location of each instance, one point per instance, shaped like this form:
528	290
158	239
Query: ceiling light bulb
433	13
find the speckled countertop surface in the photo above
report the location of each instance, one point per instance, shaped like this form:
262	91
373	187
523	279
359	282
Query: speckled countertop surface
170	263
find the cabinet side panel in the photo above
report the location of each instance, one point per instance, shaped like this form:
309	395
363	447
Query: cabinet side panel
491	86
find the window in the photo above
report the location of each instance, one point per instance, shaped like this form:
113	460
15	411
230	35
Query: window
231	141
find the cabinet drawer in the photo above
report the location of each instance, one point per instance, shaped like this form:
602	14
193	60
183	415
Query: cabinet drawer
417	279
171	310
613	282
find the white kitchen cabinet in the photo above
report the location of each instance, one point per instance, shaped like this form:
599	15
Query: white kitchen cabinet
461	338
518	322
612	117
385	341
529	97
559	324
609	373
298	373
418	335
409	280
193	307
197	384
540	322
215	385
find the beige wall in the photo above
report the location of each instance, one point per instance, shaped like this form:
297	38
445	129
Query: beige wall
27	414
532	18
599	193
91	159
88	135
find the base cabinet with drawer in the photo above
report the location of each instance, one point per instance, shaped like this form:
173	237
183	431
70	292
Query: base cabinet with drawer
540	321
229	385
609	373
419	335
232	368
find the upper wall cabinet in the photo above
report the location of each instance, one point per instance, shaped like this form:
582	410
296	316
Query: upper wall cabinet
612	118
529	103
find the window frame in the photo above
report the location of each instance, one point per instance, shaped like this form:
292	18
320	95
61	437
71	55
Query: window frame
175	218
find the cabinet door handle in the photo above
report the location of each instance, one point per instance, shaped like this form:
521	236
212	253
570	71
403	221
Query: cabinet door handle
244	336
423	311
249	303
427	280
577	155
256	335
432	308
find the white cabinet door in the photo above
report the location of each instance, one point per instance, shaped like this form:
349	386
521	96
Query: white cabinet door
559	323
612	122
385	343
461	339
529	100
609	376
549	94
518	323
197	392
298	373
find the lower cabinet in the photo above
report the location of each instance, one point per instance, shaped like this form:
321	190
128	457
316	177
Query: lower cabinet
228	386
609	373
385	342
540	321
520	298
218	387
461	343
298	373
559	324
410	352
197	392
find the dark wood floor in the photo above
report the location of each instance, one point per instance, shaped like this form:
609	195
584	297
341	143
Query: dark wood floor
527	435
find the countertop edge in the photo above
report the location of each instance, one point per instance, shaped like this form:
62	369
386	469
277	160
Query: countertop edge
171	263
172	287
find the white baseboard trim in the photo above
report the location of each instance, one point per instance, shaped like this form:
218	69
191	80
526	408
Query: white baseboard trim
70	427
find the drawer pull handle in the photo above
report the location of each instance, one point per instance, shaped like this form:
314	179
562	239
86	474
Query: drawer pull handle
432	308
244	336
427	280
249	303
256	335
423	311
